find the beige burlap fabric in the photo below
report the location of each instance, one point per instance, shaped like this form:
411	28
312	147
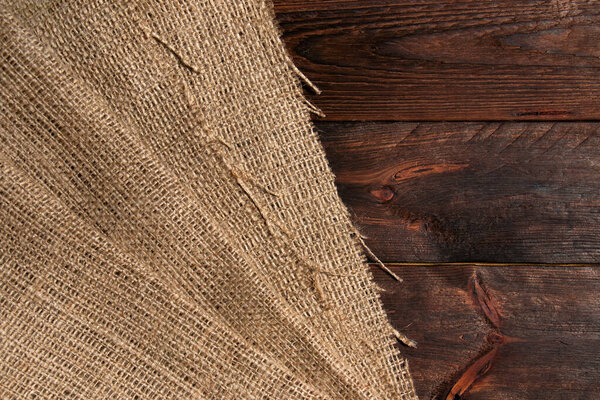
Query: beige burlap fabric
82	320
171	140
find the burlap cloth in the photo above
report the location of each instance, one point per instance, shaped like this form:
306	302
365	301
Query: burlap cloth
171	225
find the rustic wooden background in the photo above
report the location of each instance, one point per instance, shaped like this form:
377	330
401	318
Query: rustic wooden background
464	139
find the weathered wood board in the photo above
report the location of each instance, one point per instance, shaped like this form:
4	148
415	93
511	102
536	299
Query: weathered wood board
448	60
471	191
498	331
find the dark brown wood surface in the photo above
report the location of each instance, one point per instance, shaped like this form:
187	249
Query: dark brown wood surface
498	332
489	187
471	191
446	59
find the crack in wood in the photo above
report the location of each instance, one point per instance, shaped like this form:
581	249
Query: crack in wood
476	370
495	339
482	298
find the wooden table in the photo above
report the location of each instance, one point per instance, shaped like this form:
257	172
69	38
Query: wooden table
465	142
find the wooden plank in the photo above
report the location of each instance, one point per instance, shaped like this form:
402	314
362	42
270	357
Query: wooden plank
498	192
498	332
448	60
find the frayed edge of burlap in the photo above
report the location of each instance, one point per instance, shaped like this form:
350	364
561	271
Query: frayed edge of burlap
356	235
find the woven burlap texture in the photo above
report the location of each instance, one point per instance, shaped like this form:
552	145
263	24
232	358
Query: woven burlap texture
177	135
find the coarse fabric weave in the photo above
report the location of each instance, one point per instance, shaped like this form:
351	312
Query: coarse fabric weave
173	230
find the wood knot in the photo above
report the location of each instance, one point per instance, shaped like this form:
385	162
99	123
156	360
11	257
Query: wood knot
383	194
495	338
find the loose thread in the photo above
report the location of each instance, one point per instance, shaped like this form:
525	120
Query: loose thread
172	50
404	339
315	271
314	268
221	141
248	178
311	107
304	77
239	179
240	176
250	195
319	290
189	98
314	109
379	288
193	105
375	258
263	213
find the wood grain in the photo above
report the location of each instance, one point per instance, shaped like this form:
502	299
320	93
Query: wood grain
501	190
498	332
406	60
480	191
